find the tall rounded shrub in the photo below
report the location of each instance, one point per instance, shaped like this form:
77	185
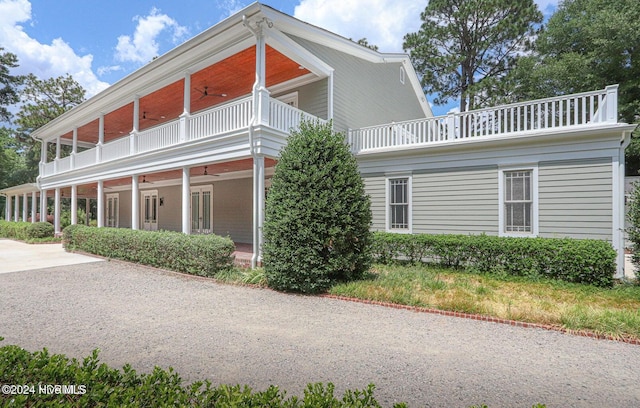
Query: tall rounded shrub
634	230
318	216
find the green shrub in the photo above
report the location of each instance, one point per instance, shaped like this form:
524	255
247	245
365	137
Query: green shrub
634	230
572	260
40	230
99	385
203	255
15	230
317	215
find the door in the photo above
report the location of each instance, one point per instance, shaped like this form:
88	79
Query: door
150	210
202	210
112	210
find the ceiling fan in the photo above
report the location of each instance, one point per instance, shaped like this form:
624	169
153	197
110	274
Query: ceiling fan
206	93
144	116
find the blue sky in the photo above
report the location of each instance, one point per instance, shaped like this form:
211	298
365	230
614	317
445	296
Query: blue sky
99	42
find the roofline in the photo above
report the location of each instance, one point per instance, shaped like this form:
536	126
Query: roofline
150	77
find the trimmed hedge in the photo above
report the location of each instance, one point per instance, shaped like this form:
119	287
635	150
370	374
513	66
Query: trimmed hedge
572	260
25	230
96	384
203	255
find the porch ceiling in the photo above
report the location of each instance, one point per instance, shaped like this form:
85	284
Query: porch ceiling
232	77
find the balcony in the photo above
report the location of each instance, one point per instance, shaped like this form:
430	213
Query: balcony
210	124
527	118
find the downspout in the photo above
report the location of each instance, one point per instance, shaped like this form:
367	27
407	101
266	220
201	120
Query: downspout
619	229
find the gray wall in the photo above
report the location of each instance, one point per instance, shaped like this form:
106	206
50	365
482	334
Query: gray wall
366	93
575	198
233	209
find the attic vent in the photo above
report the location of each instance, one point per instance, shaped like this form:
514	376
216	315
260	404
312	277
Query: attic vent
402	75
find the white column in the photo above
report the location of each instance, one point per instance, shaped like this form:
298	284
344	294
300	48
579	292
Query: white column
135	202
44	206
34	206
57	159
133	137
74	148
56	211
100	198
186	102
100	138
186	197
74	204
16	209
43	155
24	207
8	207
258	208
260	91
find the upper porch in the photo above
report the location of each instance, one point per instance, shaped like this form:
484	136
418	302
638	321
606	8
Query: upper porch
549	116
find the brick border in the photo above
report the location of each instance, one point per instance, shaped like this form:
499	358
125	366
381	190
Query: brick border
484	318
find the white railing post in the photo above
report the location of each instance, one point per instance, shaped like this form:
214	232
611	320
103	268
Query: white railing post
133	145
611	102
451	126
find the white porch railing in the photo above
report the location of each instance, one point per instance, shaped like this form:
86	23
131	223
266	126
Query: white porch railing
159	136
210	123
221	120
116	149
285	117
581	109
85	158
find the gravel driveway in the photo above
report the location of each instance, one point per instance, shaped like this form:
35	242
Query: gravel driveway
258	337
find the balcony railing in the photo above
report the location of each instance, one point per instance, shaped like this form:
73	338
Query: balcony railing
581	109
210	123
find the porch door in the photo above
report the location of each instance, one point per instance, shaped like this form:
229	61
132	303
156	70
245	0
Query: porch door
150	210
112	210
202	210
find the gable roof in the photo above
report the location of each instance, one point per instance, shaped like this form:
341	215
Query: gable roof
216	43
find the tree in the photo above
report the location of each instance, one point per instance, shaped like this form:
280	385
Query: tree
464	47
318	217
43	101
9	83
586	45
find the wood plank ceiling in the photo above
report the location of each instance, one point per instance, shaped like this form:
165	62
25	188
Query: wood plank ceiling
224	81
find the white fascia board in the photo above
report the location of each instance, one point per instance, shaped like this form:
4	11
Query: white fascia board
296	52
20	189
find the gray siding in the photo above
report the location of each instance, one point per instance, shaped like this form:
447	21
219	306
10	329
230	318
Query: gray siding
366	93
575	198
374	187
312	98
124	208
456	201
233	209
170	213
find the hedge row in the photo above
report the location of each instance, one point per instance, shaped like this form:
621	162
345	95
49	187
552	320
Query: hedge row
96	384
203	255
572	260
25	230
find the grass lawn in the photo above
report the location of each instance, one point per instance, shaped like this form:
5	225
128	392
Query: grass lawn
614	312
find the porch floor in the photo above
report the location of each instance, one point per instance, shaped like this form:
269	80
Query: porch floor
243	254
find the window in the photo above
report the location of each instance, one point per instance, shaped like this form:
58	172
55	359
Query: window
399	204
518	202
112	210
402	75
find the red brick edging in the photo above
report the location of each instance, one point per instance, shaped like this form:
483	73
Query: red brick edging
583	333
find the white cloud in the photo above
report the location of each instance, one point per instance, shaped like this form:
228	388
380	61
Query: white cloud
144	45
230	7
383	22
43	60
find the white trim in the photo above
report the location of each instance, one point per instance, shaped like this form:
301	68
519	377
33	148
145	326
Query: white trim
150	226
387	197
201	189
290	99
534	197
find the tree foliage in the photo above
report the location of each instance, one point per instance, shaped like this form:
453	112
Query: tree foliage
317	215
586	45
8	84
464	47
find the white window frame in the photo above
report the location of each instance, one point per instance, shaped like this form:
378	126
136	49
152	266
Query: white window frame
533	168
387	200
